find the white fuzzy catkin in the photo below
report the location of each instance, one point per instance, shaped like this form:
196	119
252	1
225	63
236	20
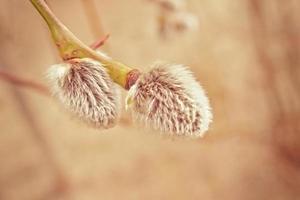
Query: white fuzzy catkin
85	88
169	99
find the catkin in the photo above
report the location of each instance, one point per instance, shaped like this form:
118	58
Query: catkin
85	88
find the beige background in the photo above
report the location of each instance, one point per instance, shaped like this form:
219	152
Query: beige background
246	55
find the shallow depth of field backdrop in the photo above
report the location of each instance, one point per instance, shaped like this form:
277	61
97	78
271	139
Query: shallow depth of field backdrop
246	54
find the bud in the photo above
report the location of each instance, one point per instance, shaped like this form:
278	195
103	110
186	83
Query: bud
170	5
85	88
183	21
169	99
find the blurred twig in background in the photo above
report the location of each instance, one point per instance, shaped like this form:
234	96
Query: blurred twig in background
94	19
23	82
279	33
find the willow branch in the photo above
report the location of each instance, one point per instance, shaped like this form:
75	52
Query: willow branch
71	47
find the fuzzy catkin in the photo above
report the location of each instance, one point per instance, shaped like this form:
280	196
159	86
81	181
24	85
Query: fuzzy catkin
169	99
85	88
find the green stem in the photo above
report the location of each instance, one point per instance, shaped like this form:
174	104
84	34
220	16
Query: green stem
71	47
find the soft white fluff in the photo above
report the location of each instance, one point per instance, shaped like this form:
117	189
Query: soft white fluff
169	99
85	88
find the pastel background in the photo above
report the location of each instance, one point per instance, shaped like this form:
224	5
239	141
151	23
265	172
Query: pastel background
245	53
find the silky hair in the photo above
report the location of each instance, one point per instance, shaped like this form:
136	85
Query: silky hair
84	87
169	99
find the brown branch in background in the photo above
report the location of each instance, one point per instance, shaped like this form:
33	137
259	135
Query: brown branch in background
282	93
259	33
93	18
23	82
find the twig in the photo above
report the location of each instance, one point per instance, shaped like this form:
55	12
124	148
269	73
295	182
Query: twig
93	17
23	82
100	42
71	47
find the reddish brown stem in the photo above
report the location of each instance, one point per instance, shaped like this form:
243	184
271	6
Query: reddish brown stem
97	44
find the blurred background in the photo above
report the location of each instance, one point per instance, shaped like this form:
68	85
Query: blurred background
245	53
